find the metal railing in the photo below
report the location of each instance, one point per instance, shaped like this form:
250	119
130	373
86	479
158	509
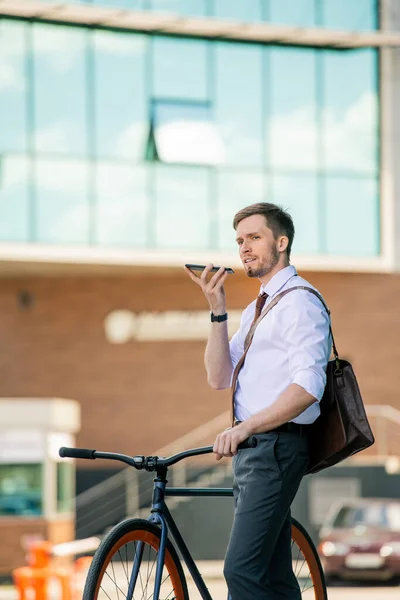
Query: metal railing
129	492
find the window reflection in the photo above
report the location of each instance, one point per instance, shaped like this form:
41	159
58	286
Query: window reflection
62	213
299	195
65	487
13	87
288	12
59	89
352	216
292	139
356	15
239	102
251	10
350	115
14	198
182	7
121	112
180	69
182	218
235	191
21	490
121	205
185	133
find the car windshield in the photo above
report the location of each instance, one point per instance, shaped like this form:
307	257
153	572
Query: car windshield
385	516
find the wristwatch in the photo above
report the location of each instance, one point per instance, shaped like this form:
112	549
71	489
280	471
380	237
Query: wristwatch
218	318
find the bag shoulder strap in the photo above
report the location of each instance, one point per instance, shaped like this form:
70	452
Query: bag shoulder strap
275	301
250	335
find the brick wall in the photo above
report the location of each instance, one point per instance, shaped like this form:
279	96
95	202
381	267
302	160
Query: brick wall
137	397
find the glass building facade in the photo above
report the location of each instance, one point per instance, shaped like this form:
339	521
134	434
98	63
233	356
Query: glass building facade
131	140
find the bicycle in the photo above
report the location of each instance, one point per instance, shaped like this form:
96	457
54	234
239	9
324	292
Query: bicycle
136	553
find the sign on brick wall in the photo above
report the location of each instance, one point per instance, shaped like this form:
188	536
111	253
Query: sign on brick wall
122	326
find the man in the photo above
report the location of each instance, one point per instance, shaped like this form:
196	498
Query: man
277	394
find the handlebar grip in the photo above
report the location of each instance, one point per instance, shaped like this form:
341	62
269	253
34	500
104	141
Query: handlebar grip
76	453
251	442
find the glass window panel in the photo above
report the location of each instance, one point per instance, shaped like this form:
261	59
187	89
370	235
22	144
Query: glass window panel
292	12
180	68
298	194
235	191
238	10
186	133
352	216
13	87
239	102
182	212
354	14
65	487
21	490
129	4
121	205
292	140
14	198
62	201
182	7
120	94
350	115
59	89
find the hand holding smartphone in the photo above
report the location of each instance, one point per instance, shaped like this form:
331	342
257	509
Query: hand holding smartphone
213	270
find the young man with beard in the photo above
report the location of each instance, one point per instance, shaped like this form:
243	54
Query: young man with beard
277	396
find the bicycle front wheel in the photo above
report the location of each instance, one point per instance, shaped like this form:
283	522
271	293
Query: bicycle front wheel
307	565
124	565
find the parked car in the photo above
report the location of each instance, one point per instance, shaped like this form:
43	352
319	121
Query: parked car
360	539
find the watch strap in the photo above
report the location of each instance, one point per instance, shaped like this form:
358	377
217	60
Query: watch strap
218	318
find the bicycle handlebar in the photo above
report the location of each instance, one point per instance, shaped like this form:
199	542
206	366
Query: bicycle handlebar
148	463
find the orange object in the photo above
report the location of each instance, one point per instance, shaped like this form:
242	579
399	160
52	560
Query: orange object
36	577
81	568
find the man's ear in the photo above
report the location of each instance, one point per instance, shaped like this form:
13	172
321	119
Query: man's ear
283	243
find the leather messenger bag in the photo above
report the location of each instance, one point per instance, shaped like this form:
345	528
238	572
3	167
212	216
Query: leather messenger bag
342	429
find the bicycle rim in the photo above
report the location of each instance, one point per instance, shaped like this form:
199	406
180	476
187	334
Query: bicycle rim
306	565
112	574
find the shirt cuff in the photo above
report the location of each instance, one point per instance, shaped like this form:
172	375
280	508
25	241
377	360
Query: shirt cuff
311	381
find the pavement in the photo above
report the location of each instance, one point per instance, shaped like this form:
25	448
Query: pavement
212	574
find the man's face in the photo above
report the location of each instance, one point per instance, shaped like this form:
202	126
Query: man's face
258	248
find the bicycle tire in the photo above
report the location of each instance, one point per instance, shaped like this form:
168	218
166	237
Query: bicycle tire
127	532
302	539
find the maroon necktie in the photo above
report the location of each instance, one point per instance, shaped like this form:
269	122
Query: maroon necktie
259	306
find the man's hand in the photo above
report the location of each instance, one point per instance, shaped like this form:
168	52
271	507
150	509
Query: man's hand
227	442
213	289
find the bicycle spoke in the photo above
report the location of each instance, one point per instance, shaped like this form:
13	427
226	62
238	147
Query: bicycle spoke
103	590
164	580
113	580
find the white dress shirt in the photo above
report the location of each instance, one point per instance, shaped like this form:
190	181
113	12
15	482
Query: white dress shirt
290	345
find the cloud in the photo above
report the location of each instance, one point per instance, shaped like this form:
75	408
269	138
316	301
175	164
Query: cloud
120	44
131	142
60	135
11	78
349	137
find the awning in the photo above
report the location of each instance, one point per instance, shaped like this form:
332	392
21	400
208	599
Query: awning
197	27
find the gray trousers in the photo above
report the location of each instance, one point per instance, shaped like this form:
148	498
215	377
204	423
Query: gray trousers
258	562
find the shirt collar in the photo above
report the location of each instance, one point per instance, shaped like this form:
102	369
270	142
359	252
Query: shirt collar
278	281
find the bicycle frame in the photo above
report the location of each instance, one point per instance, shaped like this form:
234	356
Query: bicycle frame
161	515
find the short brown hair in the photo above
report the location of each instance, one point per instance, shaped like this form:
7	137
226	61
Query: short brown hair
277	219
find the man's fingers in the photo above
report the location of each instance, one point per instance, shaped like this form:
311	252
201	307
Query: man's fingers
227	446
221	281
192	276
206	272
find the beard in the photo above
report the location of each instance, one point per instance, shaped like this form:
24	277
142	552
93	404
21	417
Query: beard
267	265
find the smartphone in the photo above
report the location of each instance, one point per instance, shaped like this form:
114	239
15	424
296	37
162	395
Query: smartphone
202	267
